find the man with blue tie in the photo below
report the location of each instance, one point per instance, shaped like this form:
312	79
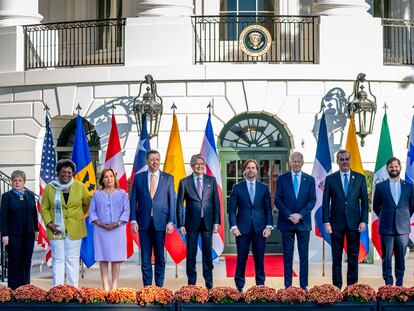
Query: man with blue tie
152	214
251	222
394	203
200	218
345	214
295	198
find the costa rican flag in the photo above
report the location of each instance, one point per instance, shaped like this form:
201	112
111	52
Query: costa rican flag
47	174
209	152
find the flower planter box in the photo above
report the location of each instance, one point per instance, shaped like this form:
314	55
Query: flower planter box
308	306
39	306
385	306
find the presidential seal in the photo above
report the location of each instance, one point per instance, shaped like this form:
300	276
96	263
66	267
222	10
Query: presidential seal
255	40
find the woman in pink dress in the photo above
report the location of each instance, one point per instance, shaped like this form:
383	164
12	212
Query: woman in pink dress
109	212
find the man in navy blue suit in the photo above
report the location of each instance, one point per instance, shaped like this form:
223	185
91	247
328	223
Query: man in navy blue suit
201	217
394	203
295	198
152	214
251	222
345	214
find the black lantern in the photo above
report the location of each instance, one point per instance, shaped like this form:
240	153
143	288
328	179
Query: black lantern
362	107
150	105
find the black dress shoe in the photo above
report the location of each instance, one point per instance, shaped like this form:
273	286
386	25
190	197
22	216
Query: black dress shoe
240	289
305	288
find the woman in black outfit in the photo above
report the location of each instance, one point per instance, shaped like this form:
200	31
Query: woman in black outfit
18	226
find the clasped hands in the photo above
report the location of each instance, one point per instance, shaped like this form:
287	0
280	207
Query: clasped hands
295	218
266	232
361	228
107	227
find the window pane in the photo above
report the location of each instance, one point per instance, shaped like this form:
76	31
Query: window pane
228	5
247	5
265	6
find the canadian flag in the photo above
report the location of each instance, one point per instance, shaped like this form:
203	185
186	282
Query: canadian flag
115	161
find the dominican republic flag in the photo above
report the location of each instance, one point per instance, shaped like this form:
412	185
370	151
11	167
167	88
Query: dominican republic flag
356	166
47	174
409	170
209	152
381	174
85	173
114	160
321	168
174	165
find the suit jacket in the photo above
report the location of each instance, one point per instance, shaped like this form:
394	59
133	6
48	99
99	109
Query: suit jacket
11	216
242	213
345	211
163	203
394	216
73	212
209	202
287	203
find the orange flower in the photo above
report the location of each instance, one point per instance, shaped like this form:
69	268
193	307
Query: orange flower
64	293
260	293
6	294
393	293
224	294
150	295
122	295
191	293
30	293
291	295
326	293
93	295
359	293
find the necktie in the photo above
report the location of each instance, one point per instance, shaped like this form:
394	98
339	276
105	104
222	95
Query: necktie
200	194
251	192
296	185
152	186
346	184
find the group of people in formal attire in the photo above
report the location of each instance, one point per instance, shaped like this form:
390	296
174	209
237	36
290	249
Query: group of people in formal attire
153	210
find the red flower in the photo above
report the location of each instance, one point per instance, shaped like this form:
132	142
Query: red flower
64	293
326	293
122	295
393	293
359	293
224	294
6	294
291	295
30	293
191	293
260	293
150	295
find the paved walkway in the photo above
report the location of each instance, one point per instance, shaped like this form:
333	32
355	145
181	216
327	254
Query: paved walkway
131	275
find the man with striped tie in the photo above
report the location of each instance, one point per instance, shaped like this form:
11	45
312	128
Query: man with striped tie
202	217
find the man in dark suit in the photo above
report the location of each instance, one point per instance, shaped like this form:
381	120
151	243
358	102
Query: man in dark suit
202	217
394	203
251	222
152	214
295	198
345	213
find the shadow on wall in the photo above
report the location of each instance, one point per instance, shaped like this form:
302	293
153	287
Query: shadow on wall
100	118
334	104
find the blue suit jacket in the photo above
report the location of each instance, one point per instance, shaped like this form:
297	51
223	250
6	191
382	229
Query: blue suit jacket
345	211
394	216
287	203
242	213
163	202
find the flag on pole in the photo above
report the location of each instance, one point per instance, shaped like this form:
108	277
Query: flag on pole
321	168
209	152
381	174
85	173
174	165
409	171
47	174
114	160
140	162
356	166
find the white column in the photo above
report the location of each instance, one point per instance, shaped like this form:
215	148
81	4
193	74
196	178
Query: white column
165	8
17	13
341	7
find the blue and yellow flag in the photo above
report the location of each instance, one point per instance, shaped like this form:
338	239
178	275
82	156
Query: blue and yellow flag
86	175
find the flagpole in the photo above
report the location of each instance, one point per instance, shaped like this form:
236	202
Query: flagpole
323	256
174	107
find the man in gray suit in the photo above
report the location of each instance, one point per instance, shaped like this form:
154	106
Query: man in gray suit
394	203
202	217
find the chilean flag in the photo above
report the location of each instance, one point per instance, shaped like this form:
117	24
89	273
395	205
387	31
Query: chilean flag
114	160
208	151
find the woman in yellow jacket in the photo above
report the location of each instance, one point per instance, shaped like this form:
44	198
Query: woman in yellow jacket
64	204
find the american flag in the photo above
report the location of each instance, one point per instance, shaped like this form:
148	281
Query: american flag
47	173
